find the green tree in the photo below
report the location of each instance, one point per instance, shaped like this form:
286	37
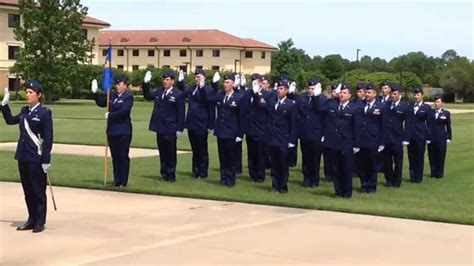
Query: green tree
458	77
333	66
54	43
288	60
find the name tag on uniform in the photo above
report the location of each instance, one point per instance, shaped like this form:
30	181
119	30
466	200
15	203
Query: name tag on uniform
400	112
442	117
233	104
262	100
37	119
347	114
120	101
376	111
172	99
421	111
332	111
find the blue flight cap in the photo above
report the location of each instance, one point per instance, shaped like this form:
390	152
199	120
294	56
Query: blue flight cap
121	78
169	74
34	85
313	81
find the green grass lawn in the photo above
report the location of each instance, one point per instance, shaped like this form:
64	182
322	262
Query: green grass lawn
449	199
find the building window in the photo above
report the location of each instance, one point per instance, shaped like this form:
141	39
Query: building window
184	68
215	68
13	20
167	53
182	53
216	53
248	54
120	67
262	55
13	84
135	52
120	52
200	53
104	52
199	67
151	52
135	67
150	66
84	33
13	52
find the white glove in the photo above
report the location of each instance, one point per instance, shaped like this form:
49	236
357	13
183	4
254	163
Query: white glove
147	77
237	80
210	131
181	75
428	142
94	86
381	148
291	145
275	86
355	150
178	133
405	143
45	167
243	81
338	88
322	139
6	97
292	87
255	86
216	77
106	115
317	89
448	141
237	139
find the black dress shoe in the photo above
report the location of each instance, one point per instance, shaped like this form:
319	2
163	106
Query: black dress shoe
26	226
38	229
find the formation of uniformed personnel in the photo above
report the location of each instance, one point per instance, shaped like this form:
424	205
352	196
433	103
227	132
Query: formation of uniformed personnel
239	88
229	128
119	127
328	173
167	120
418	135
342	138
33	152
395	137
200	120
439	128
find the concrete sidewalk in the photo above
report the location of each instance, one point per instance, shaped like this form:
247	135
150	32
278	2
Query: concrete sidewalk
87	150
110	228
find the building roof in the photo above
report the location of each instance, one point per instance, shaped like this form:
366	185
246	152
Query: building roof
87	19
177	38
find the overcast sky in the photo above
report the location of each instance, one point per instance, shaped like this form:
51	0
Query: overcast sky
379	28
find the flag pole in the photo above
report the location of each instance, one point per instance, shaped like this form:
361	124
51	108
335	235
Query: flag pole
106	157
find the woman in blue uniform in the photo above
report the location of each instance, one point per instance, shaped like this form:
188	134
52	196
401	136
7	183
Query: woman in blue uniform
119	127
33	152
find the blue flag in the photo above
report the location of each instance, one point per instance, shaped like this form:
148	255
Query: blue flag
107	77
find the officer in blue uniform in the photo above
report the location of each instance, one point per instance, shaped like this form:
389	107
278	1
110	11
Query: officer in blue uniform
229	127
167	120
385	90
200	120
281	134
342	138
310	132
240	88
334	98
371	139
255	130
395	137
266	86
418	136
439	128
119	127
33	151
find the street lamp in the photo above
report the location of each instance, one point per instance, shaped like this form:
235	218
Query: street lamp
357	58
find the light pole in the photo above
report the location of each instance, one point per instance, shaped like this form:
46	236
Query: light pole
357	58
